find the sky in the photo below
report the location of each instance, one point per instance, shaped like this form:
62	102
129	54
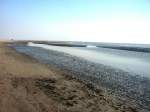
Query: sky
119	21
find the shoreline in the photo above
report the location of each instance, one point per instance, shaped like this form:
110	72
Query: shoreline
116	81
50	89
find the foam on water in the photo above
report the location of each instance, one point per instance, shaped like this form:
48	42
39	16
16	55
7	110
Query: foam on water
133	62
91	46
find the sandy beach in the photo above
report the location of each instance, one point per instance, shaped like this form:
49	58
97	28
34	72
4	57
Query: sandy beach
27	85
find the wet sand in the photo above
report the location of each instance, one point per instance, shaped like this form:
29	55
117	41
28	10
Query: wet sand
27	85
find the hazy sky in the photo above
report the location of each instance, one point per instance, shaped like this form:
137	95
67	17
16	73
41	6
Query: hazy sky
125	21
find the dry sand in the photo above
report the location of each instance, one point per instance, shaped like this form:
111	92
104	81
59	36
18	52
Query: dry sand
29	86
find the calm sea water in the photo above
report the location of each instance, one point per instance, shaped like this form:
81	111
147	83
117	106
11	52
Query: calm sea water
130	61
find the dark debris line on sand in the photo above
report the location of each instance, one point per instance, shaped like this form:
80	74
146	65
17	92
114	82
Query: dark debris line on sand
116	81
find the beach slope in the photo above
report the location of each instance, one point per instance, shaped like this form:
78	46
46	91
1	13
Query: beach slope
29	86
